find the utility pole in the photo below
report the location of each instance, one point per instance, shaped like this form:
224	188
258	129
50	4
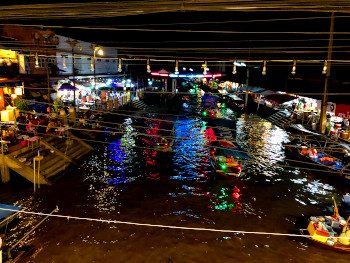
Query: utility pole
246	89
73	44
323	118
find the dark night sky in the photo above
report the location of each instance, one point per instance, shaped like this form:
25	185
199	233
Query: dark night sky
214	46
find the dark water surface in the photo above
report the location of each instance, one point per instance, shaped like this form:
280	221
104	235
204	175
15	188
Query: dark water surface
126	181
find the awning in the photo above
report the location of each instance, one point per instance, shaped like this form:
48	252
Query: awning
265	92
280	98
67	87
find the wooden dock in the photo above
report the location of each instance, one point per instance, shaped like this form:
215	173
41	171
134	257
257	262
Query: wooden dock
57	155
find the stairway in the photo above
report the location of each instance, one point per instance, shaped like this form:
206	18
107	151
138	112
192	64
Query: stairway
138	104
280	118
58	153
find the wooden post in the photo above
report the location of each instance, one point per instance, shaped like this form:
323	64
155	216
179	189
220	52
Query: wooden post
323	118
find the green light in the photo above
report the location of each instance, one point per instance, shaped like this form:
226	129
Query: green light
204	113
223	105
223	166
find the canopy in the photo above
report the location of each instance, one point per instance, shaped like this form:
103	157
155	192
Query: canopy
5	214
209	100
67	87
265	92
280	98
226	148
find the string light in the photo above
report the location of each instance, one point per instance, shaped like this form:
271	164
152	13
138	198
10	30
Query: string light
234	71
176	67
324	71
120	65
294	67
148	67
36	60
64	62
264	68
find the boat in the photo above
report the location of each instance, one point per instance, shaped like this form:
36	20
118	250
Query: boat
8	213
315	158
345	203
331	232
227	158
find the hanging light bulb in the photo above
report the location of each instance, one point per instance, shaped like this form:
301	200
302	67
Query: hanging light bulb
324	71
64	62
120	65
234	71
176	67
205	68
264	68
148	67
294	67
36	65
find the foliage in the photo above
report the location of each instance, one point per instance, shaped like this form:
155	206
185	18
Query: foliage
21	104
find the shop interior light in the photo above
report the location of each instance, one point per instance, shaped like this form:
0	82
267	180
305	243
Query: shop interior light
294	67
264	68
148	67
324	71
14	95
120	65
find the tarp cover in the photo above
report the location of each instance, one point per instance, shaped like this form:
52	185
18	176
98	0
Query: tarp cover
6	213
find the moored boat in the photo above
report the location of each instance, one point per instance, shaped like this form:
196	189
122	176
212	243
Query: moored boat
8	213
318	161
227	158
331	232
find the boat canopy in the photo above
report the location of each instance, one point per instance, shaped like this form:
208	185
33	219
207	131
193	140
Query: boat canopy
225	149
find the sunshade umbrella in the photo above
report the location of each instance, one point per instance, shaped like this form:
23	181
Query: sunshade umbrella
67	87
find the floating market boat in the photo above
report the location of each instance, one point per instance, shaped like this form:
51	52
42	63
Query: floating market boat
227	158
313	158
331	232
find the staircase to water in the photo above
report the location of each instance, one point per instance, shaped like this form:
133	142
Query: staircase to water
58	154
280	118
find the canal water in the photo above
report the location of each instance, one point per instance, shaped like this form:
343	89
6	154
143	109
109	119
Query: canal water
126	180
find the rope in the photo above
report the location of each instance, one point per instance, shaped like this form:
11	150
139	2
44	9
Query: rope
162	226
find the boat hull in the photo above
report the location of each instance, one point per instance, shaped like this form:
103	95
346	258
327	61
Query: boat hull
337	247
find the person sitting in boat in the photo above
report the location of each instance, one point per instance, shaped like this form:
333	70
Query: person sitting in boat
313	153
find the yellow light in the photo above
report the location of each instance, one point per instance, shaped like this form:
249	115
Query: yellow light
14	95
324	71
18	91
100	52
264	68
148	67
294	67
120	65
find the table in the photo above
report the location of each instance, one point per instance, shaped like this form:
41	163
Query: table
31	140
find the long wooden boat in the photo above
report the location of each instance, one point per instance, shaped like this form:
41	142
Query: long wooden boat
336	246
320	162
227	158
331	232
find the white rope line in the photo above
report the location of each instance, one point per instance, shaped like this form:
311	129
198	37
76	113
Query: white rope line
162	226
